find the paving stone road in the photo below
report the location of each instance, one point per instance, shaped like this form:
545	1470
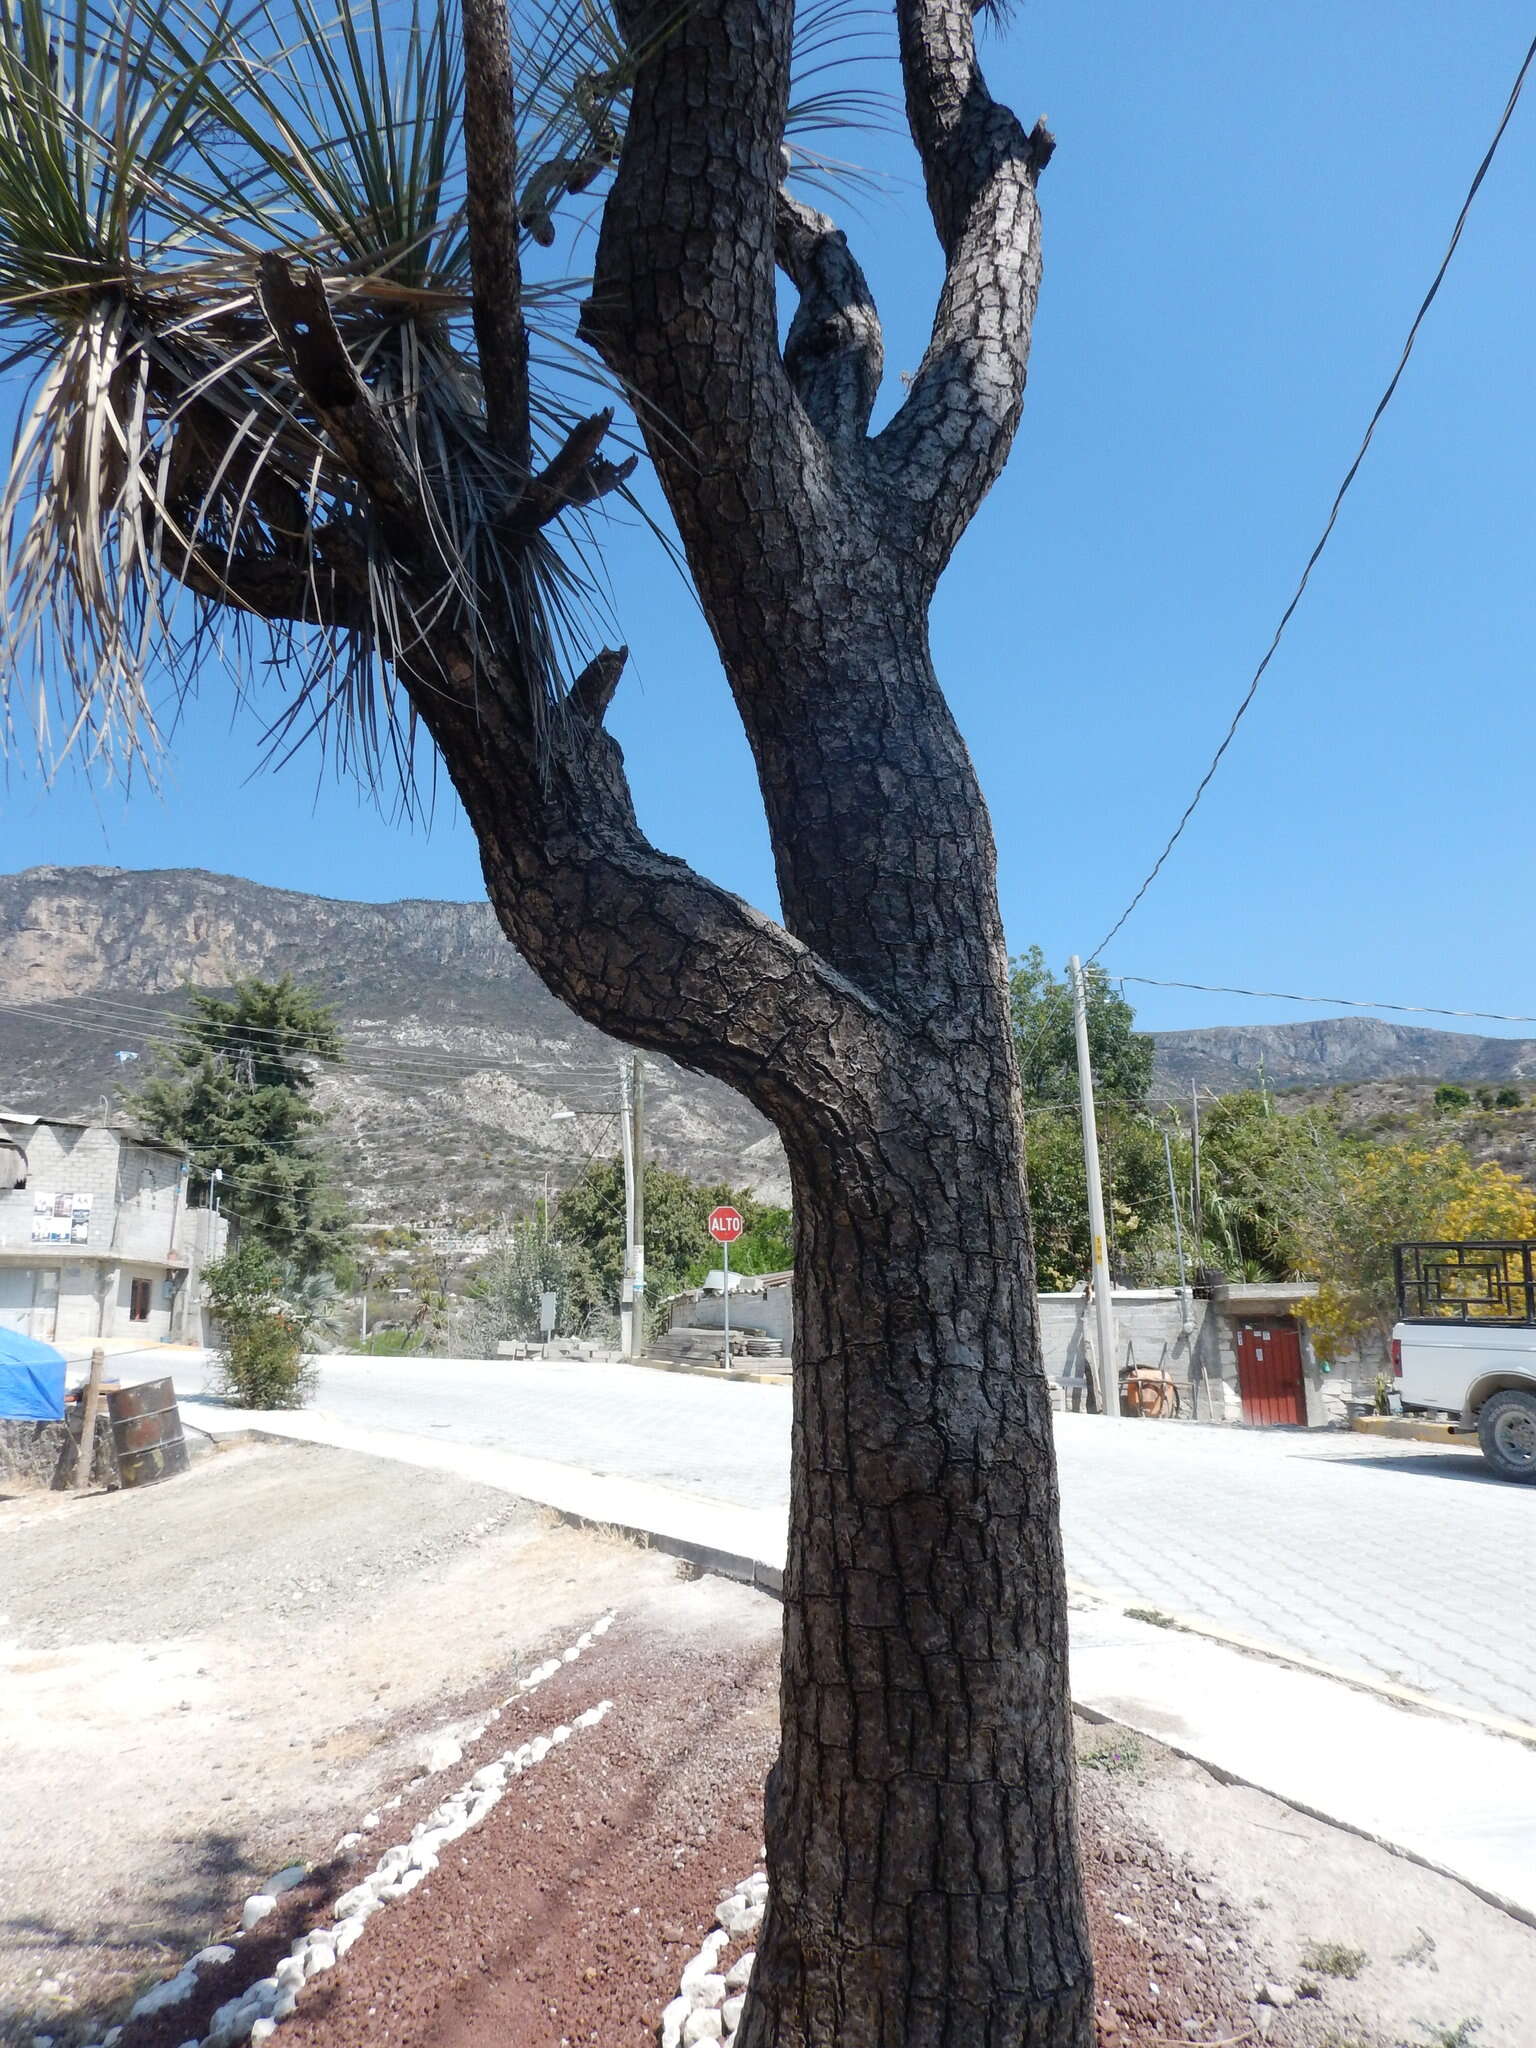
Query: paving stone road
1404	1561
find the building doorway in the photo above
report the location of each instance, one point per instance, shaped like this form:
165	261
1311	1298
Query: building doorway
1269	1375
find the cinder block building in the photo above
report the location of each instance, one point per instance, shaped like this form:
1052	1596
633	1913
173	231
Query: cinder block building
96	1238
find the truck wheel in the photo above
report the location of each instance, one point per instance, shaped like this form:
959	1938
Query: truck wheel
1506	1429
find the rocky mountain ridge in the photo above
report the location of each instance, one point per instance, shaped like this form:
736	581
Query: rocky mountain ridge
1326	1052
460	1058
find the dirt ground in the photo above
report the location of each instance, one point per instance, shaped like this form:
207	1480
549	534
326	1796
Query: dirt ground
258	1654
204	1681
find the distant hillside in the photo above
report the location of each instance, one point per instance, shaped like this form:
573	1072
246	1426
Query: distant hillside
1330	1051
460	1055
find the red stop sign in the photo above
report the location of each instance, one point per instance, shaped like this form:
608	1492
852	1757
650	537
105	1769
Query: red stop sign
725	1225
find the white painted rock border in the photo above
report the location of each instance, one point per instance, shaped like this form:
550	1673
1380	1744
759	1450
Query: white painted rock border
708	2003
256	2014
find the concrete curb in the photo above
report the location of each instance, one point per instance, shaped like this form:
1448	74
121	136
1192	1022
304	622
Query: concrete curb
1295	1660
724	1564
1224	1776
715	1372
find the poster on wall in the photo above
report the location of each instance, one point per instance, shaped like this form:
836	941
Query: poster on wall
61	1219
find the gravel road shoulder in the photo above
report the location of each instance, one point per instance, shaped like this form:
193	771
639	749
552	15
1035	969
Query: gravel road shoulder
564	1919
205	1681
202	1681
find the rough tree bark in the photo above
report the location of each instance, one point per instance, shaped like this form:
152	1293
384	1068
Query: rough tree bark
920	1836
919	1820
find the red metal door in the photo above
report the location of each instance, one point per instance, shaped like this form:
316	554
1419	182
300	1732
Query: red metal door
1269	1373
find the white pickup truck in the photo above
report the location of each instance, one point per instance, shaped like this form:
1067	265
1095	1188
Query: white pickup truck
1465	1345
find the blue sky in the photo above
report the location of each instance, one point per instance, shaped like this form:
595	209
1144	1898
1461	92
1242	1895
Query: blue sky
1245	208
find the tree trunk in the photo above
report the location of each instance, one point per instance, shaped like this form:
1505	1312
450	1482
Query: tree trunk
921	1857
921	1850
920	1832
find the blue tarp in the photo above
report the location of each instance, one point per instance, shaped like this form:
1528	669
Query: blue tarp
31	1379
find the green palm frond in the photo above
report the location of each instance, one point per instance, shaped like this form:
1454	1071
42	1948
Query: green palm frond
165	457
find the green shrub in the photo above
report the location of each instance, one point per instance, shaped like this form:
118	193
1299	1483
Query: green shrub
1124	1758
263	1365
388	1343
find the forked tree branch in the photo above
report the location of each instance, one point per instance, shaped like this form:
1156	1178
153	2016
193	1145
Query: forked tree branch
300	315
490	154
948	443
576	475
637	942
684	301
834	351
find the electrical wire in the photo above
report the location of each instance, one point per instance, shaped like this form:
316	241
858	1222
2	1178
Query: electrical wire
1275	995
1383	402
140	1017
149	1026
414	1069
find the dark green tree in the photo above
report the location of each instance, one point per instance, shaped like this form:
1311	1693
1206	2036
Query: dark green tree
678	1248
1042	1027
1137	1212
234	1088
1255	1169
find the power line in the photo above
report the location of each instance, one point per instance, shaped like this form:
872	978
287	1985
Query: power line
418	1069
138	1020
1349	477
1276	995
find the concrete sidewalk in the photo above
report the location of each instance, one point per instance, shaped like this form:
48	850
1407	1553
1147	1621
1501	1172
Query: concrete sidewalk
743	1543
1442	1790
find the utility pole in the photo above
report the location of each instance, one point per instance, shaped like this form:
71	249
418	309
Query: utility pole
638	1318
1197	1220
632	1139
627	1284
1178	1228
1106	1342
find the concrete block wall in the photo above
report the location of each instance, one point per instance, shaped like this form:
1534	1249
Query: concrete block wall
768	1309
137	1227
64	1160
1194	1340
1151	1326
152	1218
73	1302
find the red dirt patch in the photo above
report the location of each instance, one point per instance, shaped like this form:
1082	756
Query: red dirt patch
565	1919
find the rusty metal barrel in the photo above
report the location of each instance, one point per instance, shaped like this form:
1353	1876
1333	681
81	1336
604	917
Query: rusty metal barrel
147	1435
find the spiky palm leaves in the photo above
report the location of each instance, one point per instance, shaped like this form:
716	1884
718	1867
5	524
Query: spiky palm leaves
171	486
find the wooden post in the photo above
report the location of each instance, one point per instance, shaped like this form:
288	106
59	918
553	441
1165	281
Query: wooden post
86	1454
